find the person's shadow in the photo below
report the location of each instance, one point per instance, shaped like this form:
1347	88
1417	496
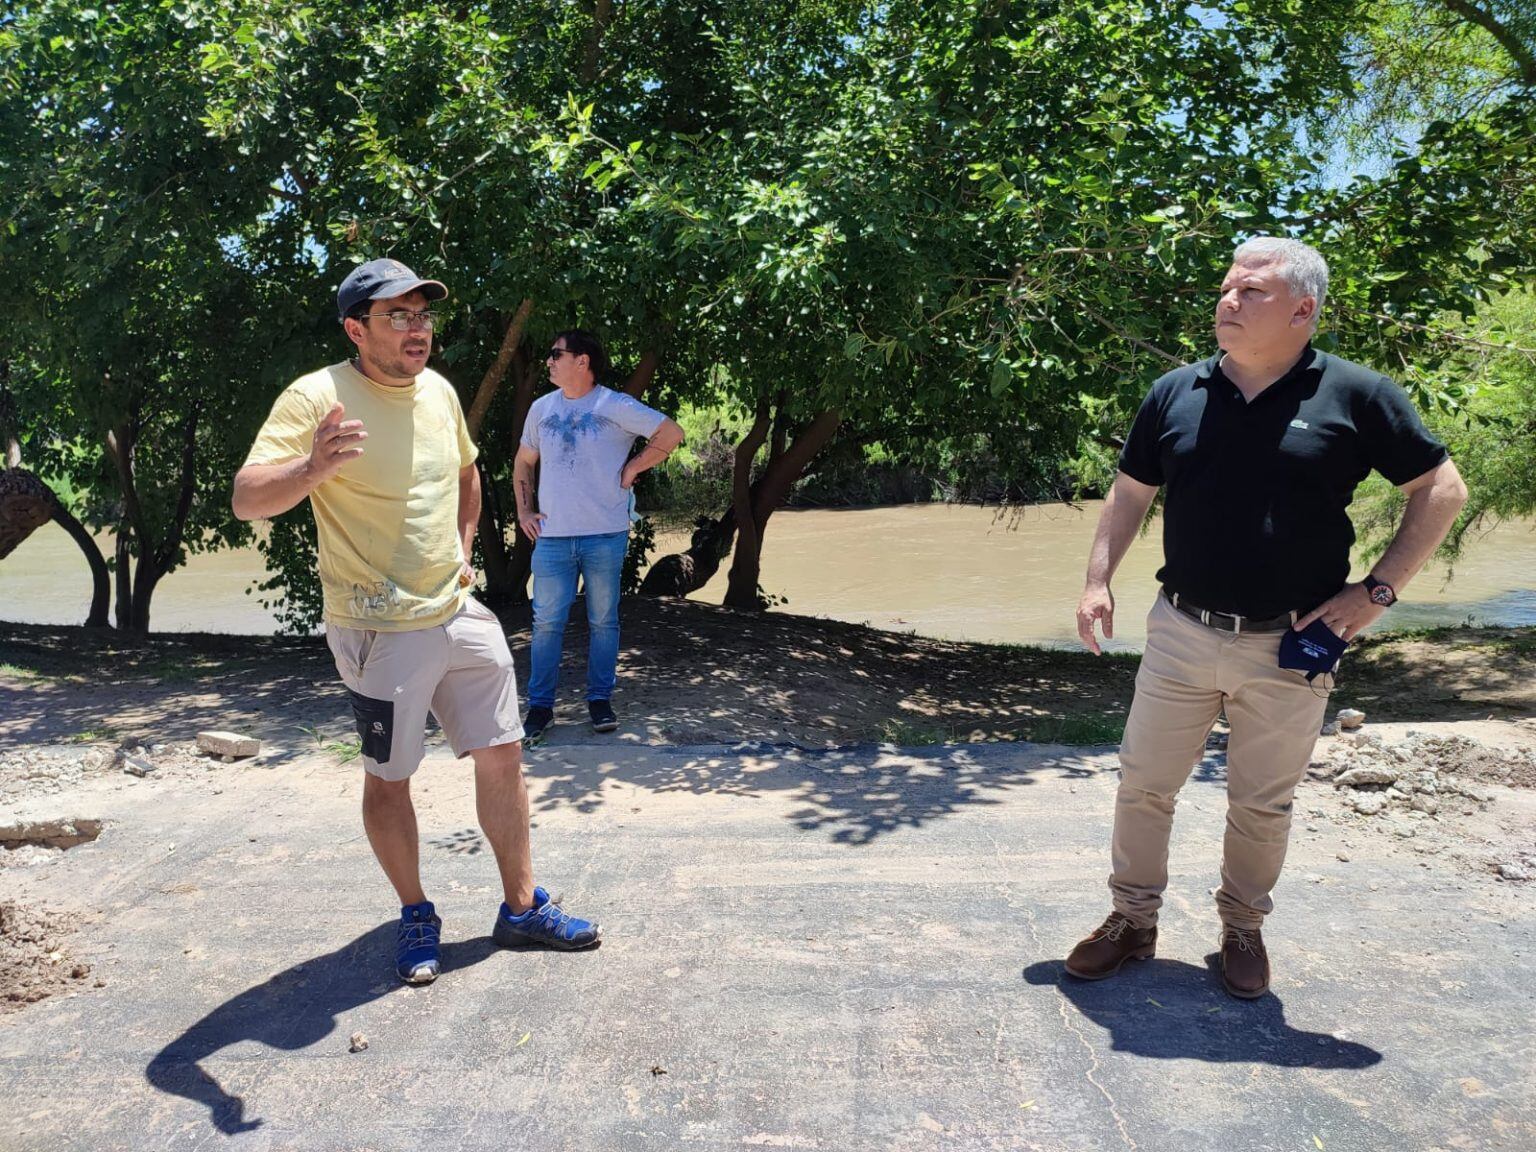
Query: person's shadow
294	1009
1166	1009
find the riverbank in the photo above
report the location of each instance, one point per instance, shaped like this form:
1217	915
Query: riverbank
694	673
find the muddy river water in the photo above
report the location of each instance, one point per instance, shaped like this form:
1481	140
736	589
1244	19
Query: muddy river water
960	572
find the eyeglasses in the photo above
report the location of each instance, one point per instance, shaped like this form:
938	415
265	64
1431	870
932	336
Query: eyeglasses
405	321
556	353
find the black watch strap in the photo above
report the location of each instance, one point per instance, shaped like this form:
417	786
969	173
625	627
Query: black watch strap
1386	597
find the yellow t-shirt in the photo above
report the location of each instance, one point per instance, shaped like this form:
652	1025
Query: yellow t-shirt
388	521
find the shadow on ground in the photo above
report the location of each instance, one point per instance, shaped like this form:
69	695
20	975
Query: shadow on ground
1170	1010
295	1009
857	795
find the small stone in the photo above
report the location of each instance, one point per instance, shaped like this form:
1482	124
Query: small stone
1329	729
1350	718
228	744
1369	803
135	765
359	1043
1344	856
1356	777
1425	803
1513	872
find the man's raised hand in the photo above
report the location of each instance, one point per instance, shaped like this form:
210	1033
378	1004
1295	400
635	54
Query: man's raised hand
336	442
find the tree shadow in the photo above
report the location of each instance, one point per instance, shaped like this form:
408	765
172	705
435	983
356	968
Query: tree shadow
295	1009
1170	1010
855	794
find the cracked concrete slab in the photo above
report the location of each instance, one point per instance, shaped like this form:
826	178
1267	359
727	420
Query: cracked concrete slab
843	950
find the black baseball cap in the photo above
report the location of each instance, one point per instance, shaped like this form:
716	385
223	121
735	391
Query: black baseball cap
381	280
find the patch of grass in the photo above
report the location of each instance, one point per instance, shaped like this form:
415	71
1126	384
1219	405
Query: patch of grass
345	751
92	736
17	672
907	734
1078	728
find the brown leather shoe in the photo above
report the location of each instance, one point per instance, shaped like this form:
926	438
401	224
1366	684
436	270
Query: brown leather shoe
1244	963
1110	945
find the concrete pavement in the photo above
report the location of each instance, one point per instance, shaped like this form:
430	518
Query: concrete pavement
826	950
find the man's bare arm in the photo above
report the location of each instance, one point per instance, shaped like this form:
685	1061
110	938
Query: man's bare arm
663	442
1434	500
1124	510
266	490
526	492
469	517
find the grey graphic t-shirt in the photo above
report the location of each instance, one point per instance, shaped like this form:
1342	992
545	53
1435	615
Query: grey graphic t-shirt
582	446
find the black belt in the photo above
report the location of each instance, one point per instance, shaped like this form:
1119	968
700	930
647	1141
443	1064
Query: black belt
1227	621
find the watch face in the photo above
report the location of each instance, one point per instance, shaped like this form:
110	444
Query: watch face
1383	595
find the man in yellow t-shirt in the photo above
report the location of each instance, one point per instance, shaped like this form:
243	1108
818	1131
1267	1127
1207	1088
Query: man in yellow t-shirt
379	446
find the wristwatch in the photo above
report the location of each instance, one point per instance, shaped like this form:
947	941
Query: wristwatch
1380	591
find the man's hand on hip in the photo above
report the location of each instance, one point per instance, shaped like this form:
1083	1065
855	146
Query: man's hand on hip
1346	613
1097	604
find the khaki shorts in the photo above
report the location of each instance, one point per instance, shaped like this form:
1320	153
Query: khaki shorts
460	670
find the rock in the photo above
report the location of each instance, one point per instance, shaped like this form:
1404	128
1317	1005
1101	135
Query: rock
135	765
228	744
1350	718
1344	856
1403	829
1355	777
1513	872
1369	803
359	1043
1329	729
1425	803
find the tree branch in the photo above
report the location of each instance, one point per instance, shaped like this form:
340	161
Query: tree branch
1518	50
497	372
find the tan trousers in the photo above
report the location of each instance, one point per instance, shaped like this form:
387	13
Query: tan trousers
1188	674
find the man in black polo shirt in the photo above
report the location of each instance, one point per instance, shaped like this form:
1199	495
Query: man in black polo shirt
1260	449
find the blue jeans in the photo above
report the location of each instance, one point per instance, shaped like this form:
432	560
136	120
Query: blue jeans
557	562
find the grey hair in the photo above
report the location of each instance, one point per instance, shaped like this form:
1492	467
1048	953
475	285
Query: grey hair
1301	265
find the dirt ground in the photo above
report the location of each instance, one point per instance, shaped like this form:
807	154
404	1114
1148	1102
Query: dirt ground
1460	702
695	673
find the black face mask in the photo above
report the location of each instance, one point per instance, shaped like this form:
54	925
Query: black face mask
1314	650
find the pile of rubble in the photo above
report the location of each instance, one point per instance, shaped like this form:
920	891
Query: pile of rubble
1417	774
45	769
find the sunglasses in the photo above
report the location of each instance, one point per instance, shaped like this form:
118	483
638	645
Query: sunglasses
556	353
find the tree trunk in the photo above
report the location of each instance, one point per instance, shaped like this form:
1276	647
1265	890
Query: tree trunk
520	559
124	574
602	16
493	545
101	577
490	383
644	373
682	573
753	507
135	591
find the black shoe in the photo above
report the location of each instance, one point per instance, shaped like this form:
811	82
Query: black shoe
603	719
539	718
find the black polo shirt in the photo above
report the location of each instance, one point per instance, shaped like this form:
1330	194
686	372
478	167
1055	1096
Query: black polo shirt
1254	519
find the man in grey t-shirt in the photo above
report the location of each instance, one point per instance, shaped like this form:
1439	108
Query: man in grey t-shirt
579	436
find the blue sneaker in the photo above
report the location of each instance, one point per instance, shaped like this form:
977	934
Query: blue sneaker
421	929
545	923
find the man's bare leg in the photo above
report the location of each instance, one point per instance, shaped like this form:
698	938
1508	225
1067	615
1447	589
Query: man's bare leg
501	803
389	818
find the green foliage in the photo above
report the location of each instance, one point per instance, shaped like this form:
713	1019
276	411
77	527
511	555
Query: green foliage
975	231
